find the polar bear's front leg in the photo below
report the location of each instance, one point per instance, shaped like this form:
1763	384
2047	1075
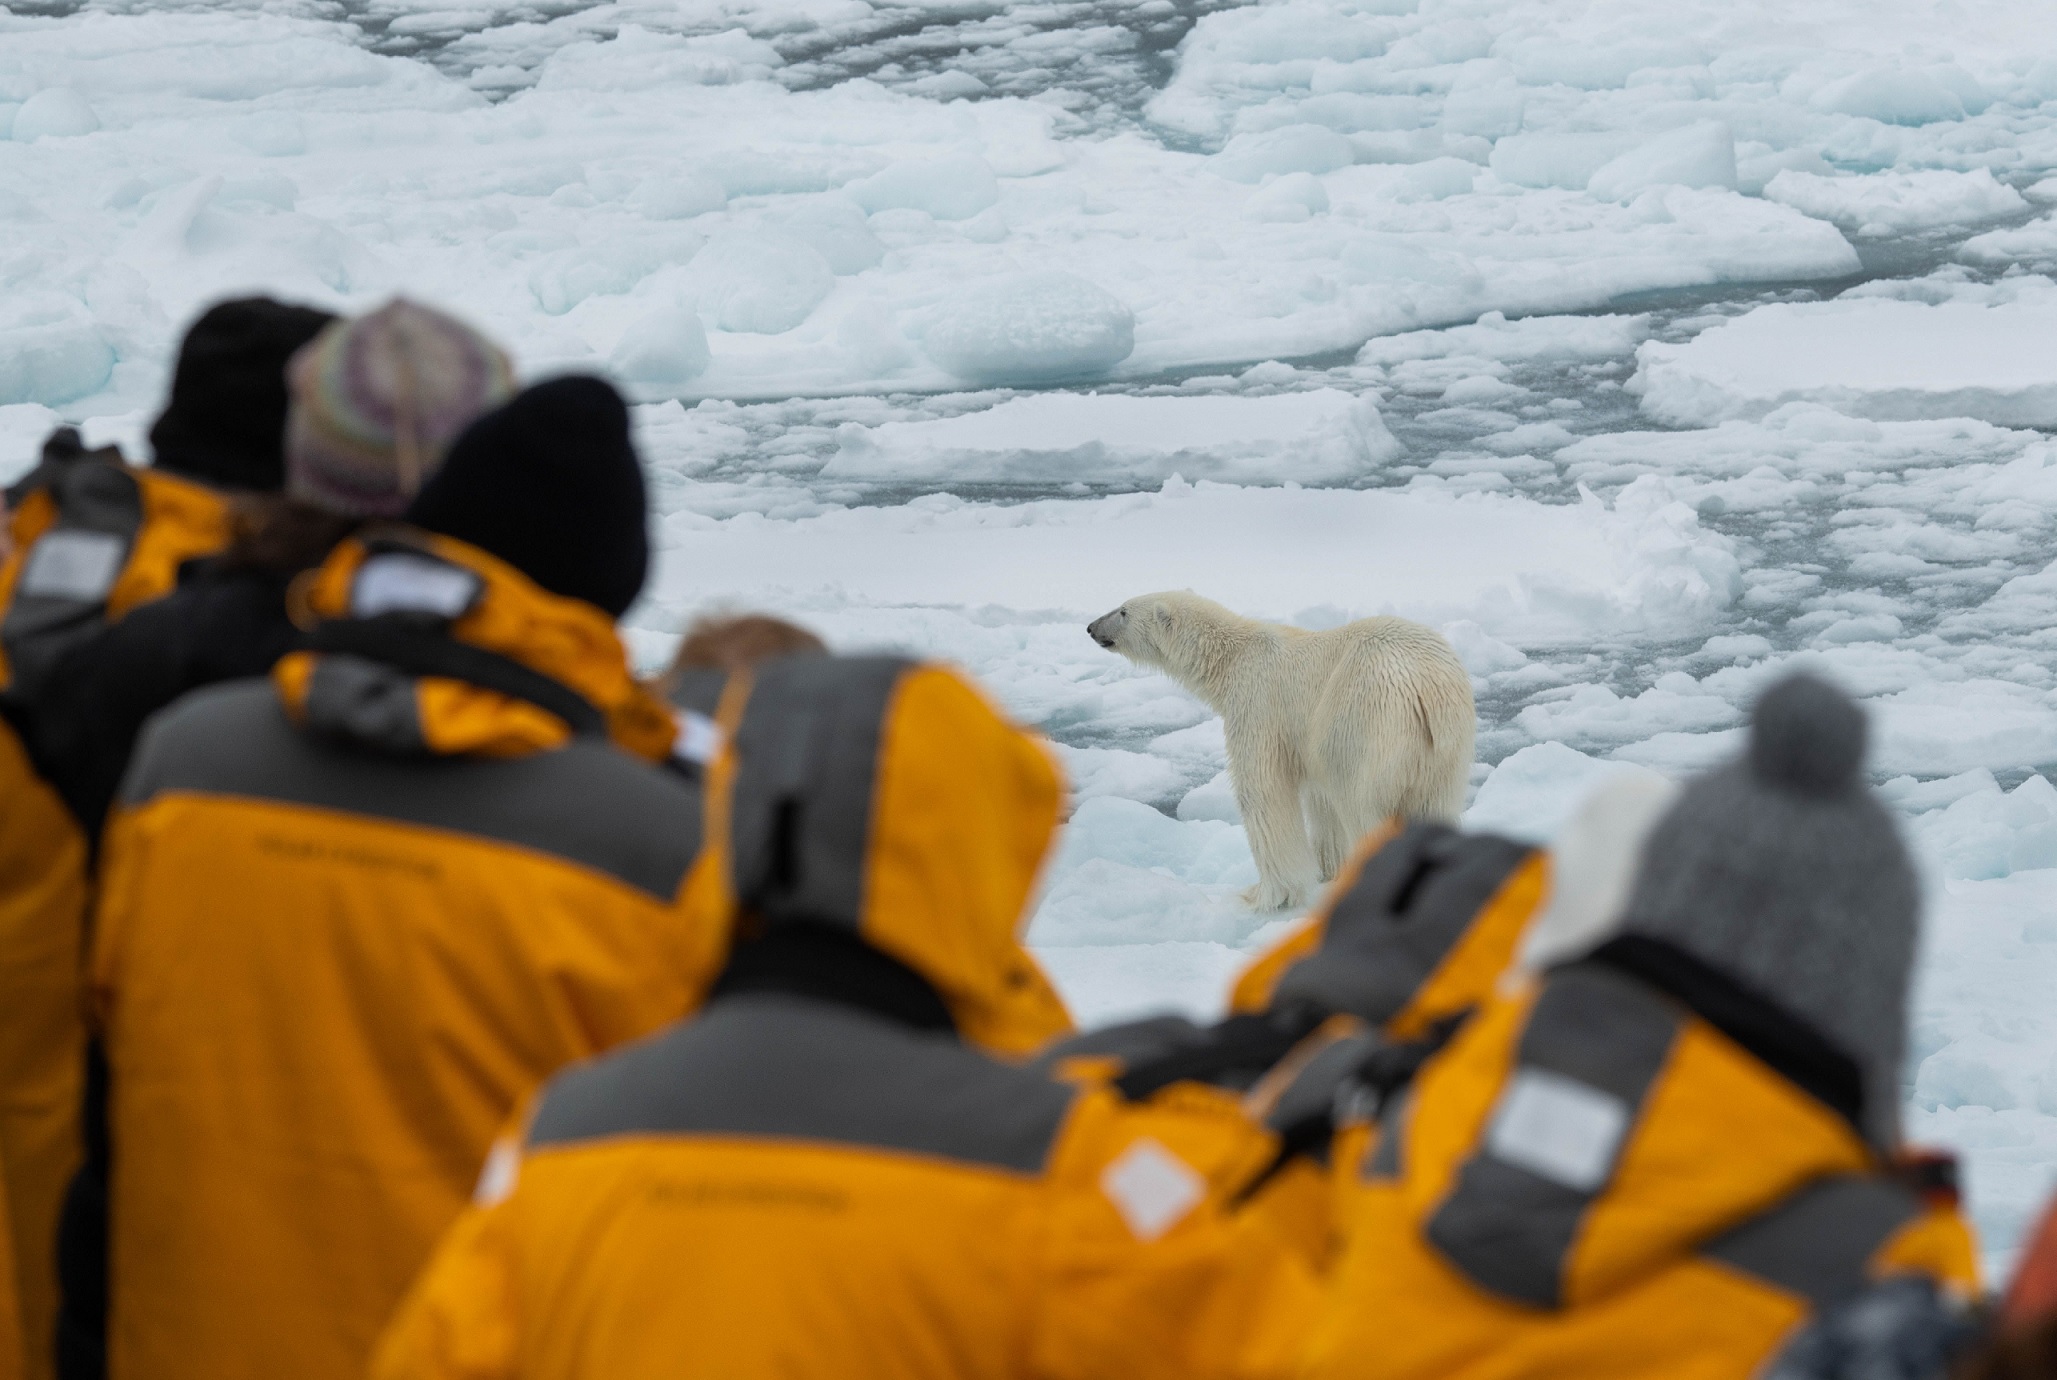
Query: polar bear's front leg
1267	784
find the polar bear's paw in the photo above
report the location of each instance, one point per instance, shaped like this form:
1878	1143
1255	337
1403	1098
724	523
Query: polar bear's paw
1273	896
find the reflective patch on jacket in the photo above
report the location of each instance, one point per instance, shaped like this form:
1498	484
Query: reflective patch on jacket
90	544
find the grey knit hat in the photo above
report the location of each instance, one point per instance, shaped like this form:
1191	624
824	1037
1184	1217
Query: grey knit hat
1784	871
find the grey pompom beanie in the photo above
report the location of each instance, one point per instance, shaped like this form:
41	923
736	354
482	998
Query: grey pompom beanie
1786	872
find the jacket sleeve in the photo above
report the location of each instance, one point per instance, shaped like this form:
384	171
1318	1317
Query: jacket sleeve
98	695
1152	1268
459	1320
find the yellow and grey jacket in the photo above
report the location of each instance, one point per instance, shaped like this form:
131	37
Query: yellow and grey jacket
1418	928
348	919
92	539
828	1174
1412	936
1631	1167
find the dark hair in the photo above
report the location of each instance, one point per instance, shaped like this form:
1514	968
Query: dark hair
273	533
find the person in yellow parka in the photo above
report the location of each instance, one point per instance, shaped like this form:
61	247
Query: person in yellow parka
1331	1021
838	1169
89	539
1664	1155
351	915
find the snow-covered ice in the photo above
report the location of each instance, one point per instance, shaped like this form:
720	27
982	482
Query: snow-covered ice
1321	436
1866	357
1649	352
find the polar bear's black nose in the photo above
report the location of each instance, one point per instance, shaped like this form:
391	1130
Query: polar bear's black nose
1097	630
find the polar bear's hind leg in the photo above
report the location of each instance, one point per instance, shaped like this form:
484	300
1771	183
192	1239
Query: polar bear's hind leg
1334	838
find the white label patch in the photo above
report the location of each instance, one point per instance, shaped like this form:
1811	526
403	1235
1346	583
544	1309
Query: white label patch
502	1169
396	582
1558	1128
1152	1188
699	738
70	564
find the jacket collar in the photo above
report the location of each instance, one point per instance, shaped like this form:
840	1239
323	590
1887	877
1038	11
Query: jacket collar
1789	1046
421	643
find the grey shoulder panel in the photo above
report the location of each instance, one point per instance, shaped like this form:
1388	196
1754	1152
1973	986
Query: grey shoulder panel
801	820
1407	909
1595	1043
587	803
1819	1242
787	1068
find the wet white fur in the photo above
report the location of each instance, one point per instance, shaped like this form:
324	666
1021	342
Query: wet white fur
1329	733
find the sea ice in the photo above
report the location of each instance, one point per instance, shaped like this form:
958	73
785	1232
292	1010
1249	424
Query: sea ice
1699	155
1529	574
1030	327
53	112
667	346
1865	357
764	283
799	229
1322	436
1896	203
954	188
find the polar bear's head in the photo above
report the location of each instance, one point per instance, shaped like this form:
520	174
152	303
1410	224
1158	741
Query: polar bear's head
1152	629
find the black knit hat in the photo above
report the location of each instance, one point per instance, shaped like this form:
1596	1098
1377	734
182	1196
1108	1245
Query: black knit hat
225	423
550	484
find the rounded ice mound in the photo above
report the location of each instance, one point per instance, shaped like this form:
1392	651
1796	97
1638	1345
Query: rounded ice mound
1699	155
52	361
1436	179
764	283
1031	328
838	233
1893	98
677	196
1295	148
668	345
54	112
1292	197
953	188
1556	160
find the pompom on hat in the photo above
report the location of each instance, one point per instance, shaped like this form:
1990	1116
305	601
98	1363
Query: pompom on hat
377	401
1785	871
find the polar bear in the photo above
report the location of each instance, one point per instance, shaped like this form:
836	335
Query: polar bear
1329	733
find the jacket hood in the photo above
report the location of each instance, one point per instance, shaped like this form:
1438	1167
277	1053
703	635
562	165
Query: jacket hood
889	798
423	643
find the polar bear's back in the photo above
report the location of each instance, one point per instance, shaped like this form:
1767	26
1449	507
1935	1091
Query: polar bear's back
1394	651
1395	705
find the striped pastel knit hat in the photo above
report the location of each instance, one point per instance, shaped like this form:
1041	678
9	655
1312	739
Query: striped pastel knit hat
378	399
